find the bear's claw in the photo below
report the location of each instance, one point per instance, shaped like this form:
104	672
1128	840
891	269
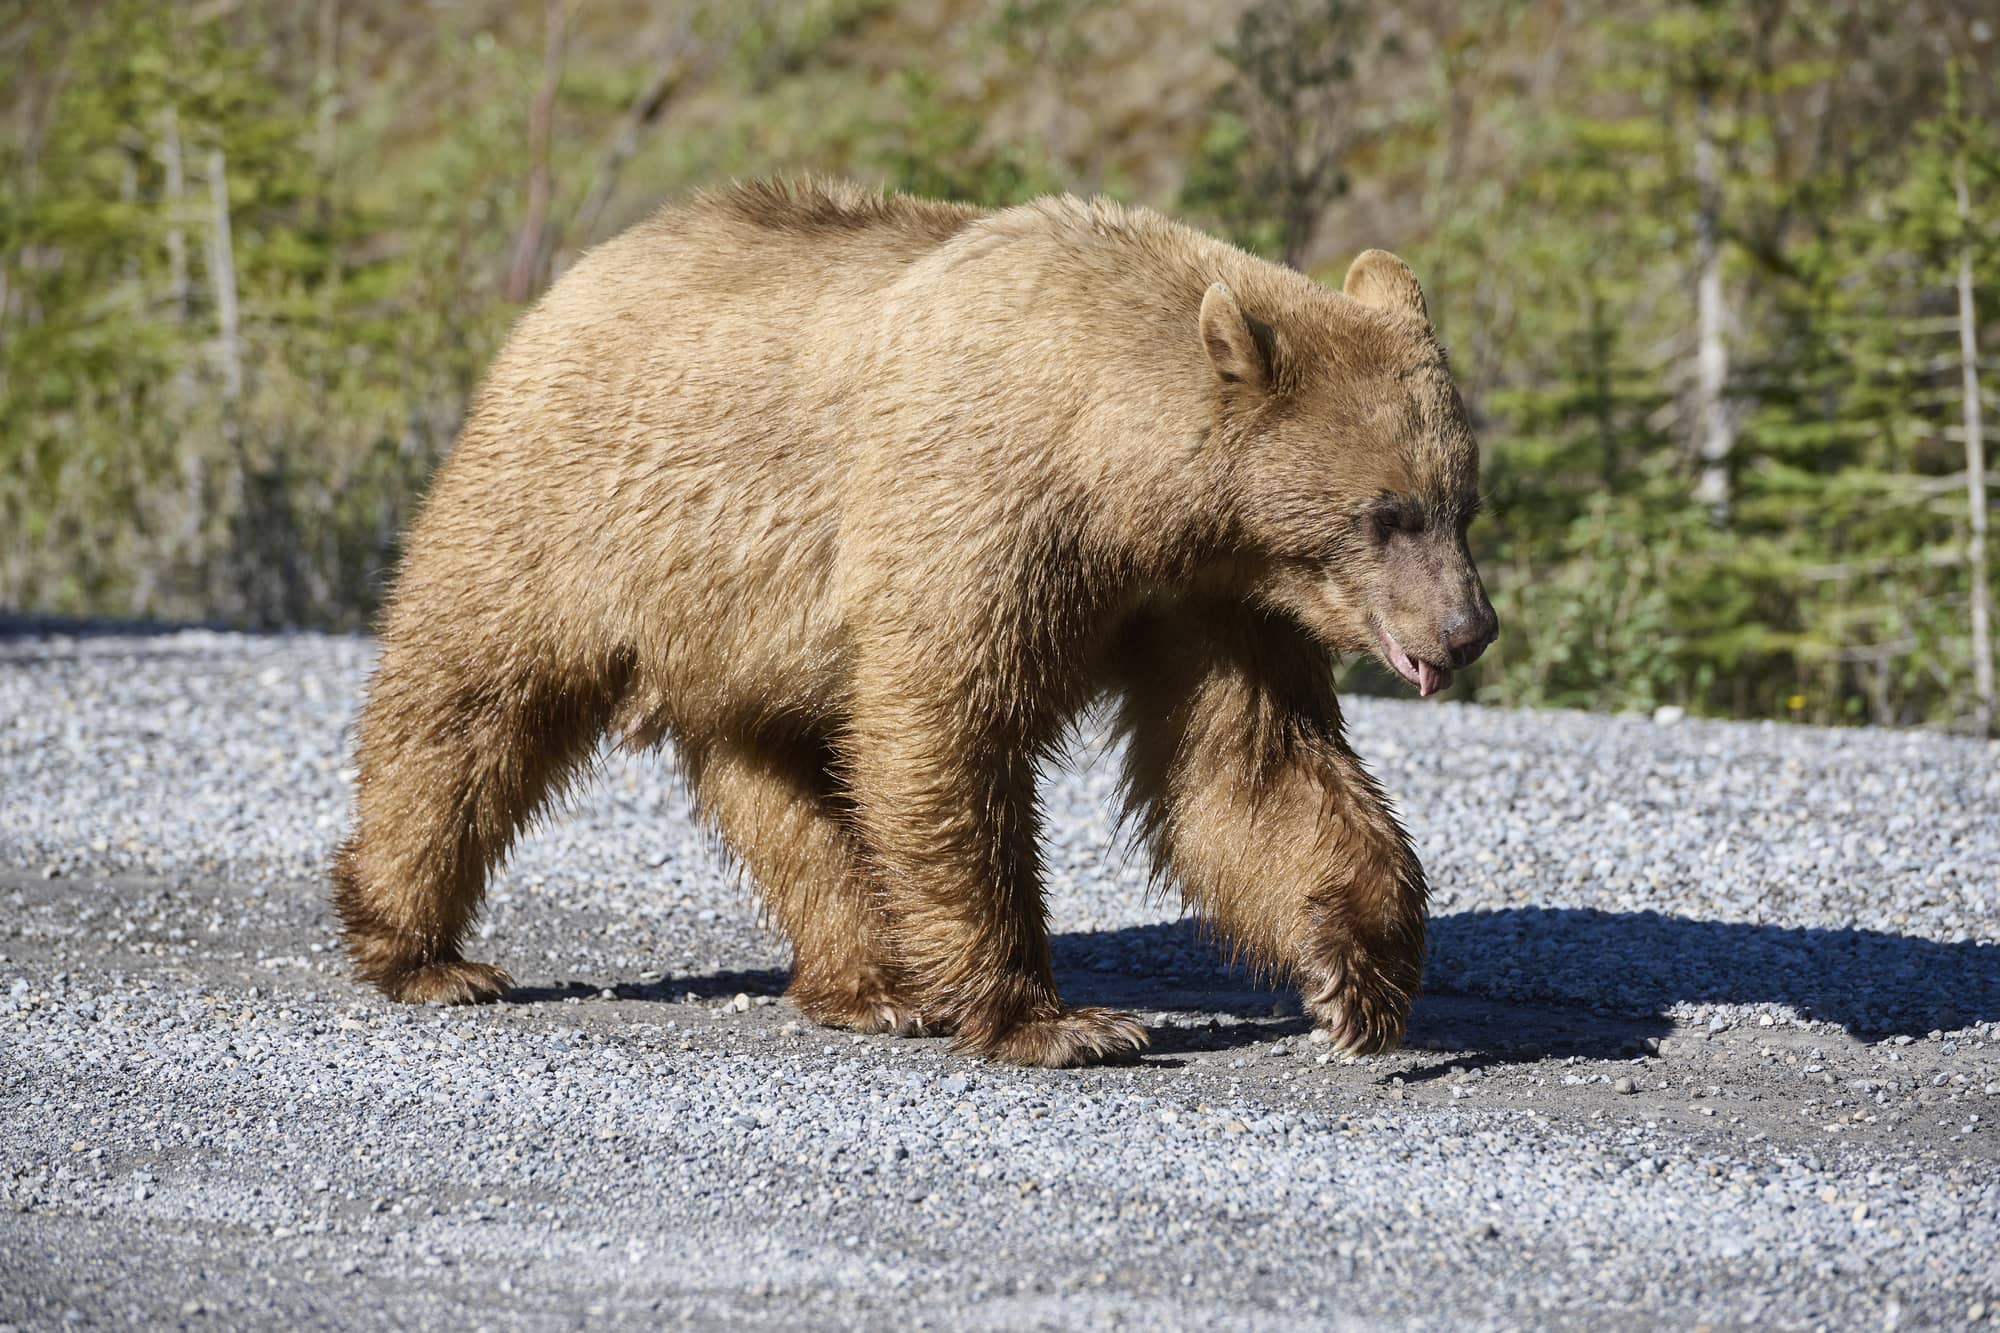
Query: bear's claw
448	983
1069	1039
1362	1012
873	1011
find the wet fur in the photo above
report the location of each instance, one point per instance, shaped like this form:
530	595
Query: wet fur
860	500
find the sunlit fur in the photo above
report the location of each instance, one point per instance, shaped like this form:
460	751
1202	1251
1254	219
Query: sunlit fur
860	500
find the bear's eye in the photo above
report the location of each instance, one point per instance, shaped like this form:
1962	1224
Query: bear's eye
1389	517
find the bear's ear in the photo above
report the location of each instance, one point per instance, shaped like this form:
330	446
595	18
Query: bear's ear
1378	278
1244	350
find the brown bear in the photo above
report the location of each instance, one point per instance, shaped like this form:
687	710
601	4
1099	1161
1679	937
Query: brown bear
860	500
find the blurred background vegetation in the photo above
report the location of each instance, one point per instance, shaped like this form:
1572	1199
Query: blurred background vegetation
1716	276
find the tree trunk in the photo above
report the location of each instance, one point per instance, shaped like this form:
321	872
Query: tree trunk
237	581
326	140
326	78
176	188
1715	433
1975	466
531	245
145	570
194	465
222	276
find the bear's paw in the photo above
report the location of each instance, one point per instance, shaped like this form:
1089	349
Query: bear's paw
448	983
1069	1039
1362	1011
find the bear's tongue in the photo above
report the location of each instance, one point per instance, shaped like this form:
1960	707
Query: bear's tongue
1427	678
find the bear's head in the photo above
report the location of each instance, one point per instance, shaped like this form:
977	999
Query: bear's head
1354	470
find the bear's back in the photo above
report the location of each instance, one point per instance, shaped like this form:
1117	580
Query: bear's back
826	213
746	244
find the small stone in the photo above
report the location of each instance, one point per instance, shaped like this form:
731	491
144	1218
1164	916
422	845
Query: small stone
1666	715
1319	1037
741	1004
1625	1087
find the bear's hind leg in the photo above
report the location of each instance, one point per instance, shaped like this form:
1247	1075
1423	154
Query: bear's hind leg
777	806
450	770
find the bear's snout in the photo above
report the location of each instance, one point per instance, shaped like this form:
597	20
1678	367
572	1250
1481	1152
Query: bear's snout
1467	633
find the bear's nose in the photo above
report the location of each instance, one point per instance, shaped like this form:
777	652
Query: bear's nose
1466	635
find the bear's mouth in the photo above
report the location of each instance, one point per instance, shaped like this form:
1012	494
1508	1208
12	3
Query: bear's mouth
1427	678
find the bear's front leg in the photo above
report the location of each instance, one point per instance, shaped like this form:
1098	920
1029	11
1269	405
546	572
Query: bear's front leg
944	805
1251	800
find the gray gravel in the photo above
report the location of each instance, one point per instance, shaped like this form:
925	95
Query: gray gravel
1713	1036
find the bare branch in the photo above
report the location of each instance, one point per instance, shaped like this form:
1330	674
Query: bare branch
531	244
679	64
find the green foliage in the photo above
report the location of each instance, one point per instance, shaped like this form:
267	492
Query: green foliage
1219	185
146	477
1837	591
938	149
1533	161
780	41
1274	156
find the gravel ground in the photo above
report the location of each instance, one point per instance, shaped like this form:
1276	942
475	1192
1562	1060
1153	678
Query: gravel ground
1712	1037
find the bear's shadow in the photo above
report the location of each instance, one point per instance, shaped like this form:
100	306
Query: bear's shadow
1560	981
